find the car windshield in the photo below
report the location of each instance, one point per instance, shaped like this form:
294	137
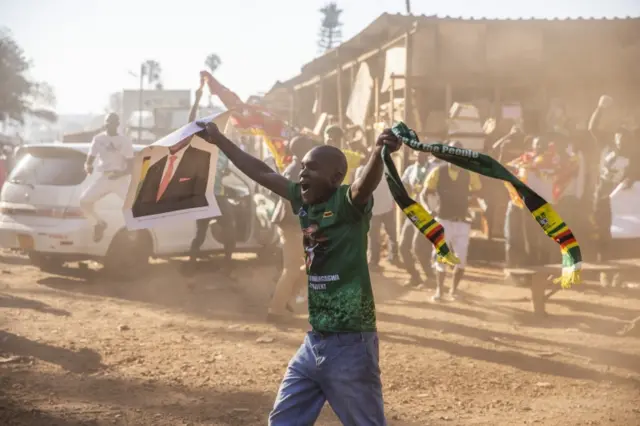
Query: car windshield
49	167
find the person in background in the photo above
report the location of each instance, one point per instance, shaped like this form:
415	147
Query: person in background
511	145
291	278
334	136
617	169
454	187
383	214
413	244
112	154
225	220
538	168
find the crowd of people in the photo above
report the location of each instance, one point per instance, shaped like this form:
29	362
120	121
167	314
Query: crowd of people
338	362
576	171
333	200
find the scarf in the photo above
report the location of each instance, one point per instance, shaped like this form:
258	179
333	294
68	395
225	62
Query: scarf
548	219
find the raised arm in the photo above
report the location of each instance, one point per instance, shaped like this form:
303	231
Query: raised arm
363	186
196	103
255	169
594	122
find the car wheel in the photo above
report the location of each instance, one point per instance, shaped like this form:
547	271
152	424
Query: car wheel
128	254
45	262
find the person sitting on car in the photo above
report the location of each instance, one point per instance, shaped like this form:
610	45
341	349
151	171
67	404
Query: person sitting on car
112	154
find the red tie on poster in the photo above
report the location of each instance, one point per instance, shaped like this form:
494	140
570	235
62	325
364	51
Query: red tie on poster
166	178
253	119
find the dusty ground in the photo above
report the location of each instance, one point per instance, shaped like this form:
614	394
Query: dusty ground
93	352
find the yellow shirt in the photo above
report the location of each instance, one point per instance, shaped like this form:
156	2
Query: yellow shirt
431	182
353	162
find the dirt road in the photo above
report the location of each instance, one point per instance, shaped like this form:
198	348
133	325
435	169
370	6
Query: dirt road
78	351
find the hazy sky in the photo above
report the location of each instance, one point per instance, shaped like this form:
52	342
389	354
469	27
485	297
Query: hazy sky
84	48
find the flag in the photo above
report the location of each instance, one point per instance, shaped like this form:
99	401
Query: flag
253	120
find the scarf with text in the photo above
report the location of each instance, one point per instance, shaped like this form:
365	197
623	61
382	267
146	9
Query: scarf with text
548	219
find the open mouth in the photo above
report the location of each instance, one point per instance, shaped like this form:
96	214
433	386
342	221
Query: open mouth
304	187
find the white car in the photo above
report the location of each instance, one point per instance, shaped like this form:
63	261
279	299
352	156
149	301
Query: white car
40	214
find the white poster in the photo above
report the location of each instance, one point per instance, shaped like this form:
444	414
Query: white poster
396	64
360	96
173	179
625	217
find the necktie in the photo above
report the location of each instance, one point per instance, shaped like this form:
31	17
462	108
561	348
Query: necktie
166	178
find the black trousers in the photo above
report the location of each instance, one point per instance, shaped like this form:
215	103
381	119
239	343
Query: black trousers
388	220
526	244
226	225
602	226
415	246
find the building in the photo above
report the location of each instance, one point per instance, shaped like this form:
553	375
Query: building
137	109
426	63
415	68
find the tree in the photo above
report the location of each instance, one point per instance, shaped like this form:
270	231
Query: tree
213	62
20	96
152	72
330	28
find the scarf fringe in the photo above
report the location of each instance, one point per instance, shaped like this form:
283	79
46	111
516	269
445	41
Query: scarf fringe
569	278
448	259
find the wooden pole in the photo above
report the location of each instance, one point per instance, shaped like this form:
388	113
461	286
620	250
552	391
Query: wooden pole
352	75
448	97
392	98
408	87
319	98
376	100
292	106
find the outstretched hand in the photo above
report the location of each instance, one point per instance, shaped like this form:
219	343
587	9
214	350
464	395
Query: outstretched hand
388	139
212	131
605	101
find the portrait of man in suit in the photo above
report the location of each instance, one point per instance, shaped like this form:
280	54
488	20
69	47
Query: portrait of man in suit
178	181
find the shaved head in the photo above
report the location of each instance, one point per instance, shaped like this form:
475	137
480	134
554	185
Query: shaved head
323	170
300	145
334	157
111	123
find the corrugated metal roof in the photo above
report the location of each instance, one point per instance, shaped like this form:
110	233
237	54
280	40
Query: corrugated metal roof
390	25
521	18
393	23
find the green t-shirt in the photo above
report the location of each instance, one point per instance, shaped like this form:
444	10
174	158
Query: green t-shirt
335	246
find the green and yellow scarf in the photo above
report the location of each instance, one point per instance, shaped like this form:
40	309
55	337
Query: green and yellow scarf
548	219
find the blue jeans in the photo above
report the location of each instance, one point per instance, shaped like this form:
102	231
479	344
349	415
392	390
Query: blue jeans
341	369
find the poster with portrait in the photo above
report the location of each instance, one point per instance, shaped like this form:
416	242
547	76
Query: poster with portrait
173	179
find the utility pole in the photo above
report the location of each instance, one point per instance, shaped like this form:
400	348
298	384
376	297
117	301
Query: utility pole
140	103
408	4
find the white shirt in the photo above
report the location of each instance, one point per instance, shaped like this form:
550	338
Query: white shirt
614	167
111	152
382	199
178	155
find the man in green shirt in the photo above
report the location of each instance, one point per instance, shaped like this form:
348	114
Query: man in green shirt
338	361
